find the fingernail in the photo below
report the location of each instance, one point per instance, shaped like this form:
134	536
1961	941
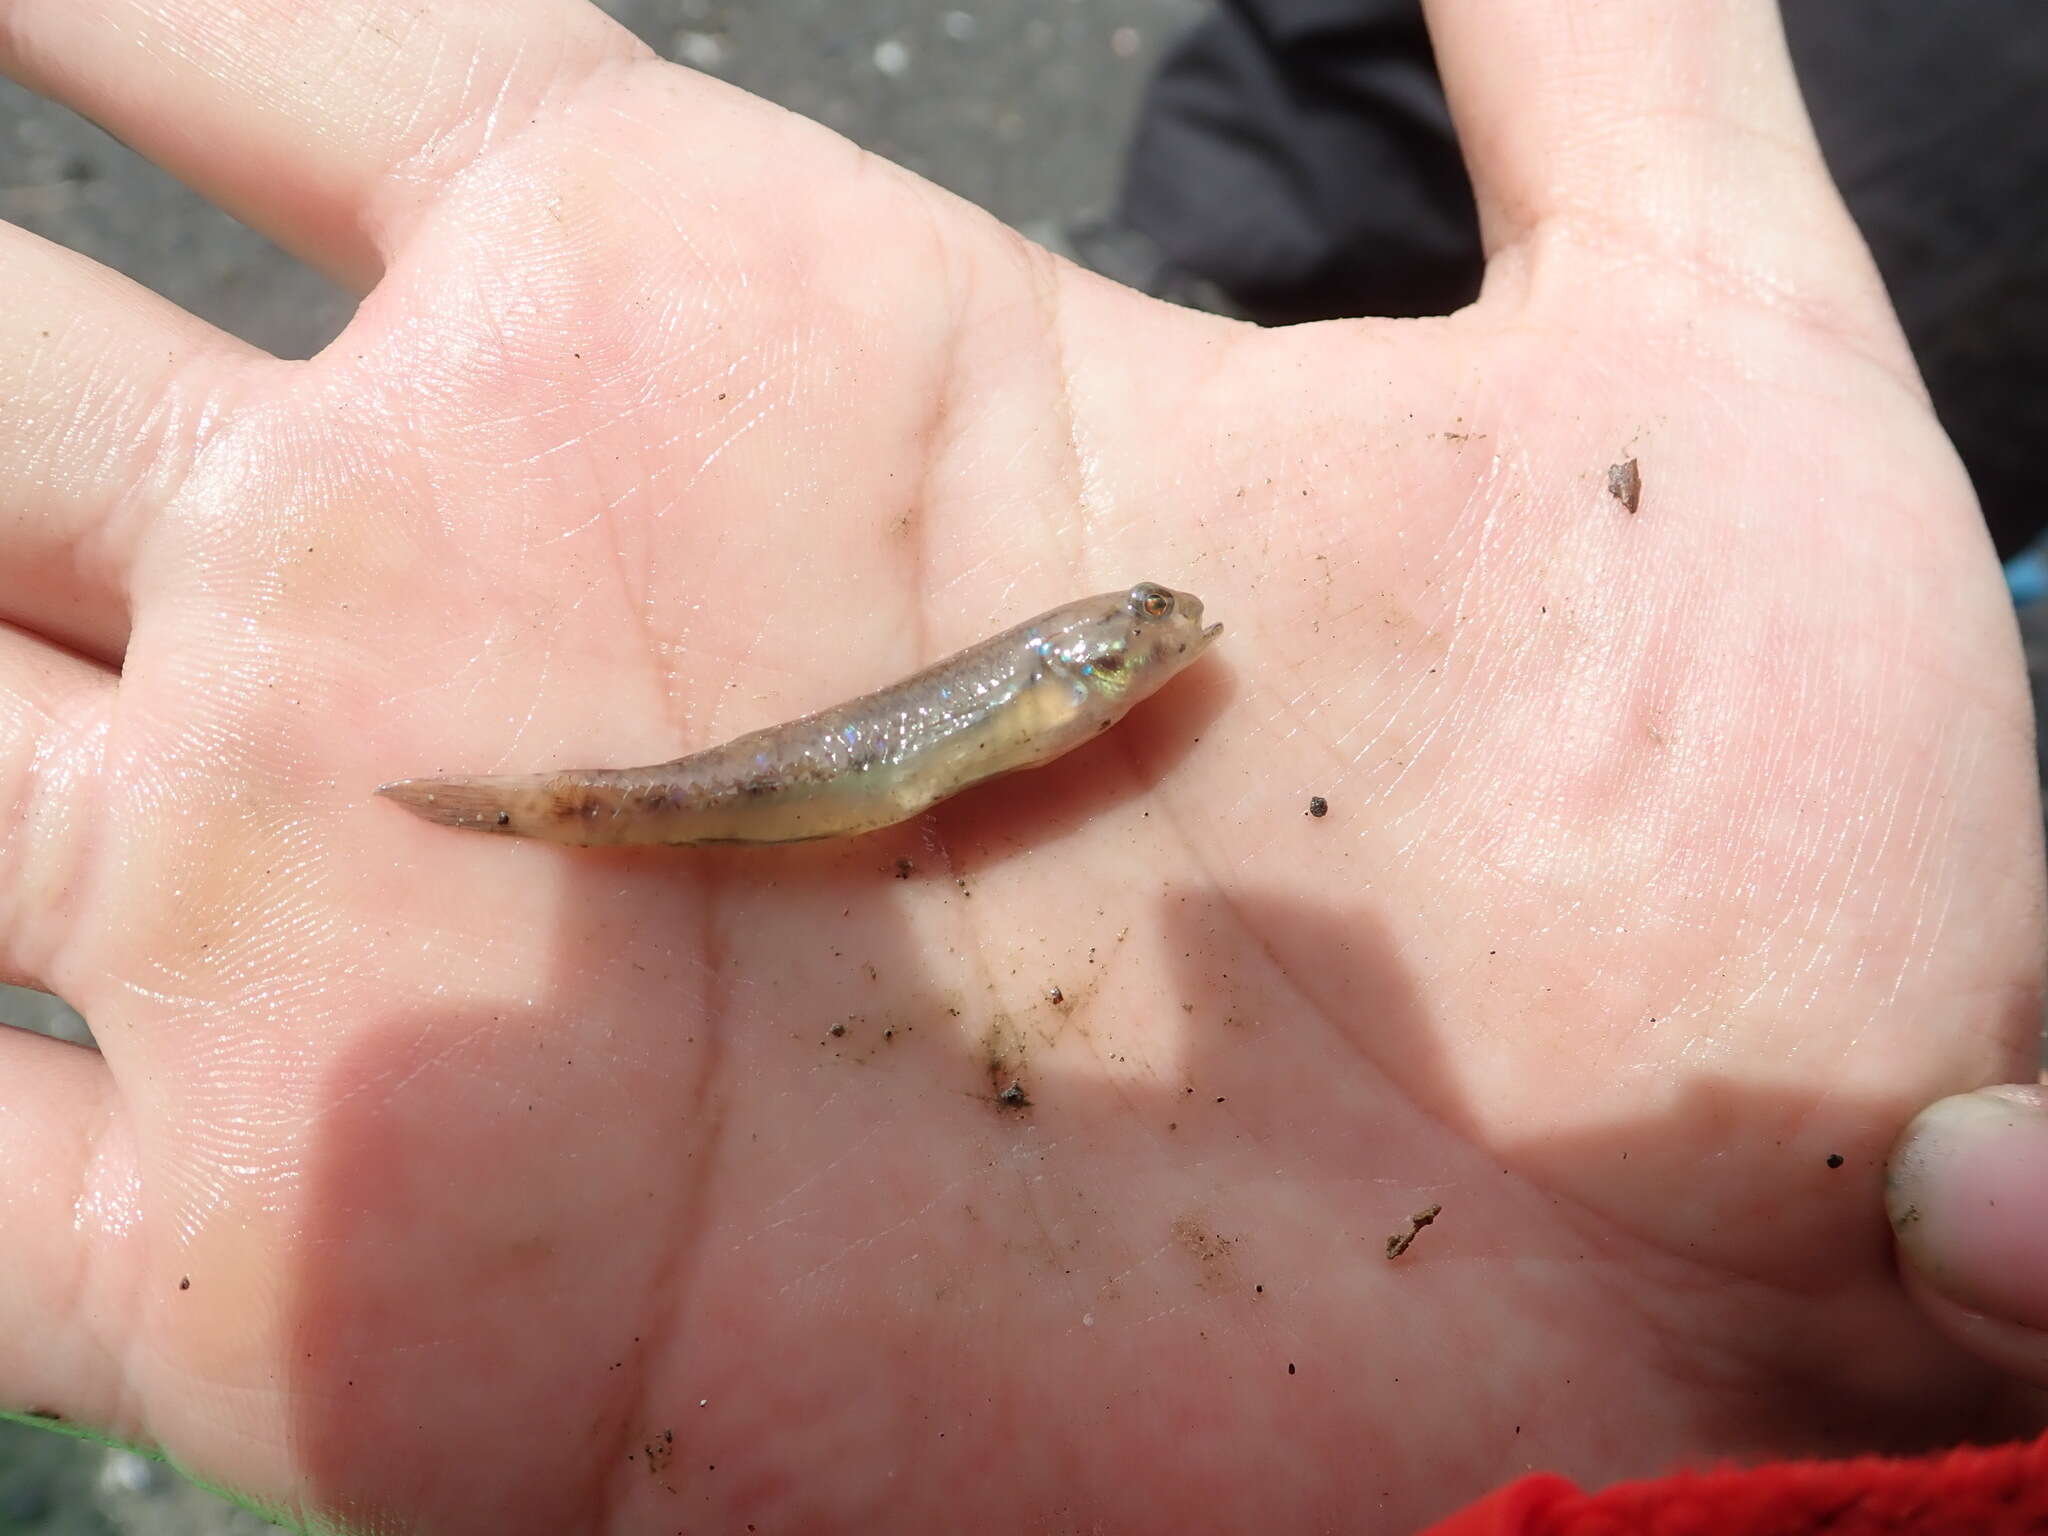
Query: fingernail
1967	1193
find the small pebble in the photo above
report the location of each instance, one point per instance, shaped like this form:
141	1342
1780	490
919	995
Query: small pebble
126	1472
699	50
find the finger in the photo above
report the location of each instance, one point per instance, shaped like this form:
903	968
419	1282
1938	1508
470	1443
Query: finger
53	718
108	388
326	126
61	1199
1968	1199
1670	130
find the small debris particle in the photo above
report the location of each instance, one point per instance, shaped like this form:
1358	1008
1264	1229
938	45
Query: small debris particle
1014	1097
1318	806
184	1282
1290	1367
904	868
889	1033
1625	484
838	1030
1055	996
1835	1159
504	818
660	1452
1398	1243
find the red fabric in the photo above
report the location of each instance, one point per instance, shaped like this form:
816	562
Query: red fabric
1998	1490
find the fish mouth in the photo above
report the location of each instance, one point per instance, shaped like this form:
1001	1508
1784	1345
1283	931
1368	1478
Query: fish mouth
1211	633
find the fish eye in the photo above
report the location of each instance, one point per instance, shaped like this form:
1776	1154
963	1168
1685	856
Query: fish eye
1153	602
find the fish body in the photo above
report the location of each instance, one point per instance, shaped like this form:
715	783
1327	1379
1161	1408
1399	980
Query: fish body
1015	700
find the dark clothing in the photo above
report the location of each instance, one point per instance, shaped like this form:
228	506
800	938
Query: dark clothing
1298	153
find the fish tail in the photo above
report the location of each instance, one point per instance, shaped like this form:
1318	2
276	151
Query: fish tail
540	805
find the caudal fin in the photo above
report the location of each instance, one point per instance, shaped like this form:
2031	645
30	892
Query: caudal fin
505	804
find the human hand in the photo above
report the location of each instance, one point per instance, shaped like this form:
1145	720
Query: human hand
445	1183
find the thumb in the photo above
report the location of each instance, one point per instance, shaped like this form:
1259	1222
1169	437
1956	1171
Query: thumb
1967	1193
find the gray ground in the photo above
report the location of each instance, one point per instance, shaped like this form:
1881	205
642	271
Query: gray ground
1019	105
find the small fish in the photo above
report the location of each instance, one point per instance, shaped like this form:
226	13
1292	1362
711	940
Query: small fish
1016	700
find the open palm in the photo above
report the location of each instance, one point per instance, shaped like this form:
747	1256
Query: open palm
1673	853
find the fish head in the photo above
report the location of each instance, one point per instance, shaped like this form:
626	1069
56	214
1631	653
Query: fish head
1125	645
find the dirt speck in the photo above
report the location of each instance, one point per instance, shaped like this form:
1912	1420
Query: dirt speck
1210	1249
1398	1243
1318	806
660	1451
1625	484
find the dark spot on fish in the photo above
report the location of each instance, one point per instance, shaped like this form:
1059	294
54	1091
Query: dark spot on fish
1318	806
1625	483
756	787
656	800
